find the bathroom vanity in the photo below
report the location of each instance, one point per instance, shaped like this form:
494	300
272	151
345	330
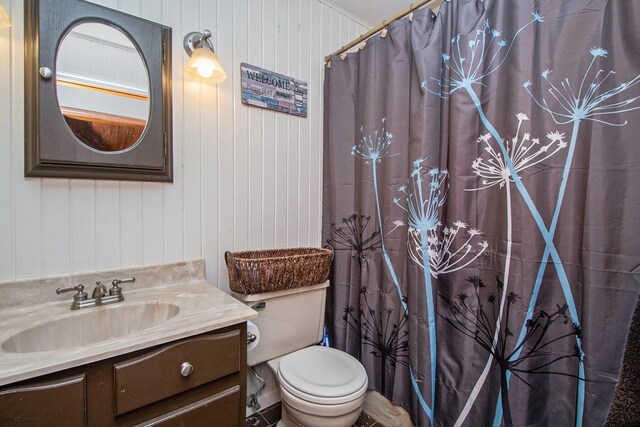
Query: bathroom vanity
173	354
193	379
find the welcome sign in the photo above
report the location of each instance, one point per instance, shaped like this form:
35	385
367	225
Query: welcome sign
266	89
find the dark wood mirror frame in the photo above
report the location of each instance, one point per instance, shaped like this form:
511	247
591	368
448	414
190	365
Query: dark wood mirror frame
51	149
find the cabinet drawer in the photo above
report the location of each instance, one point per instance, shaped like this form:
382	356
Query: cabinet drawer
60	402
158	374
220	410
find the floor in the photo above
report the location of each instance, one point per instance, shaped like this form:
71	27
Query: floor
270	416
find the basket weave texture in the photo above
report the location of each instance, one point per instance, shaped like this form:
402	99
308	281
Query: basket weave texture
253	272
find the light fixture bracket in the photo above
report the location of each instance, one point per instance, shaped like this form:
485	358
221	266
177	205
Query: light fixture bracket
195	40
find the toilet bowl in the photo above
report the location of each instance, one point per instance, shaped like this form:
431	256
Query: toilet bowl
320	386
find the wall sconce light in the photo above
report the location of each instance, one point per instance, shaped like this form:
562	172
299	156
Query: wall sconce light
204	64
4	18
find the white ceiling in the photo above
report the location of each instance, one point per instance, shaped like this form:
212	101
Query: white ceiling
372	12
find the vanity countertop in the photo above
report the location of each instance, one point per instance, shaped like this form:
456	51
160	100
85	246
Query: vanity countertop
203	308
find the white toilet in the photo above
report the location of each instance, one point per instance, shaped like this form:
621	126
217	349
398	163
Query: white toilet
319	386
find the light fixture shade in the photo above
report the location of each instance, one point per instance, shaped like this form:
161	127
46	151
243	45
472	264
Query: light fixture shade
4	18
205	66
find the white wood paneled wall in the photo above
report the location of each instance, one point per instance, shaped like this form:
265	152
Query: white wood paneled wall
245	178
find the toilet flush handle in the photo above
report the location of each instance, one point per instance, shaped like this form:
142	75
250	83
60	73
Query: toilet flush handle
259	305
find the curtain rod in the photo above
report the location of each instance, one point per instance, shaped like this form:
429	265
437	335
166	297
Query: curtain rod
433	4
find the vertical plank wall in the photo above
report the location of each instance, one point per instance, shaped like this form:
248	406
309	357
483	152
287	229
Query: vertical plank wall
245	178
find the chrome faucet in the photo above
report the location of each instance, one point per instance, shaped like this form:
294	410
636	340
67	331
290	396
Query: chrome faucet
99	291
99	296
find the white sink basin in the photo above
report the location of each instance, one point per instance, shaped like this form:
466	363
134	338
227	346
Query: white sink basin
89	326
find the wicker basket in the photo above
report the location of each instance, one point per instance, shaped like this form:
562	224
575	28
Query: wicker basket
253	272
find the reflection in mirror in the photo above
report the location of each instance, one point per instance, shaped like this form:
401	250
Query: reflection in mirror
103	87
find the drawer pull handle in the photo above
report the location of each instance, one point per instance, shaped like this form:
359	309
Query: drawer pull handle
186	369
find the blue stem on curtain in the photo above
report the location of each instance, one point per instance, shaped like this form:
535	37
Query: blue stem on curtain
548	238
385	255
540	275
425	407
431	313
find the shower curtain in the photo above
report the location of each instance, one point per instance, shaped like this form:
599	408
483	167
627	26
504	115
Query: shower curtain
481	173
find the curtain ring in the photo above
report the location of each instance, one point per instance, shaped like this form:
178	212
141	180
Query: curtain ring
362	45
343	55
328	64
411	17
383	33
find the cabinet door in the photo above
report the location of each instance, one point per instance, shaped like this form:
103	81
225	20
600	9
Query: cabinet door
59	402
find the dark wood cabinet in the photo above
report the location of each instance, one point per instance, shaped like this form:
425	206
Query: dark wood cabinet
196	381
58	402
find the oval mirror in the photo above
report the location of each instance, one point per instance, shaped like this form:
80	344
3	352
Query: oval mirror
102	86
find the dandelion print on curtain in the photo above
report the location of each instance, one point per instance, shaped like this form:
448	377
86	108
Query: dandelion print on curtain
481	173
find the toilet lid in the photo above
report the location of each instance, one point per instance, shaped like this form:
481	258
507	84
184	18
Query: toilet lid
323	372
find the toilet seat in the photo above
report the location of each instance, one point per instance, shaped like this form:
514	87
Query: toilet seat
322	375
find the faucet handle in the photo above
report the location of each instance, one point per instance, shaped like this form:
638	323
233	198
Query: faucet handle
115	289
80	296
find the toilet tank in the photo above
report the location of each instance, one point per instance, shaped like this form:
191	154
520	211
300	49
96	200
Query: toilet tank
288	320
